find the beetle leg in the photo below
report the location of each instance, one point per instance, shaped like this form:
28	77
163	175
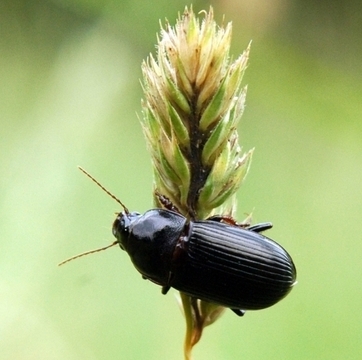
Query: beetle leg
166	288
224	219
238	312
166	202
260	227
229	220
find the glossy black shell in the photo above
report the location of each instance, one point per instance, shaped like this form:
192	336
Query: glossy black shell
209	260
234	267
150	241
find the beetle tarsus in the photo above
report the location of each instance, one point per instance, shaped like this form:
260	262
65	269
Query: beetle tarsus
238	312
165	289
166	202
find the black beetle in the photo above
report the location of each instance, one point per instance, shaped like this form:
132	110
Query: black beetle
215	260
210	260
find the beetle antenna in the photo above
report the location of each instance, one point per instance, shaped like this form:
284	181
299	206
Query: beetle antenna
104	189
87	253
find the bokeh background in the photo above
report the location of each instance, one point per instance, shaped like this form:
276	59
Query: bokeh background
70	95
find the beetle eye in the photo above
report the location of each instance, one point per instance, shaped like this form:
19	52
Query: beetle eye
115	225
119	222
120	225
114	230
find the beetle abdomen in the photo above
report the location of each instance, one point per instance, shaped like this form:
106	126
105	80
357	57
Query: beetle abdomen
234	267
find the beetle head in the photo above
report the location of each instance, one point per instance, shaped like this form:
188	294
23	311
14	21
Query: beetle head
121	225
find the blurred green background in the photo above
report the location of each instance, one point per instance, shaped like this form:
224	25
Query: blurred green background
70	95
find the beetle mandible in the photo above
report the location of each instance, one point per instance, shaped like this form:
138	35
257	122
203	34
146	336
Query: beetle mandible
216	260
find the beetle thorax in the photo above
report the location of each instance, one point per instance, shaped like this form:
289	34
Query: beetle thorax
150	241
